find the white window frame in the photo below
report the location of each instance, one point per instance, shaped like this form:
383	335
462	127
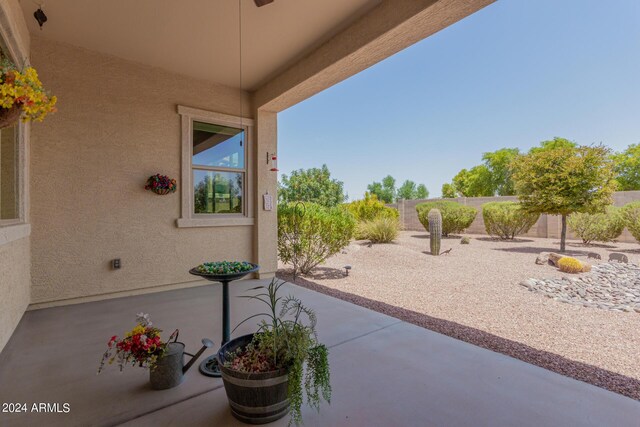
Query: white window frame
17	228
188	217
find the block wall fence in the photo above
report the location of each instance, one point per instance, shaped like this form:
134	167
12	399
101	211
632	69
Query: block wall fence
547	226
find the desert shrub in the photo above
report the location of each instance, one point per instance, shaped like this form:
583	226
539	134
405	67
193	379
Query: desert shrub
378	230
465	241
568	264
631	216
370	208
600	227
455	217
308	234
507	219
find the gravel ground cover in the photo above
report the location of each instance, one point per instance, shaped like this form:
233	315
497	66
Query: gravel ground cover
475	294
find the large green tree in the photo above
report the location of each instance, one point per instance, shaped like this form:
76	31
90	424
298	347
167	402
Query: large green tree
385	191
498	162
475	182
422	192
311	185
449	191
554	143
410	191
628	168
564	179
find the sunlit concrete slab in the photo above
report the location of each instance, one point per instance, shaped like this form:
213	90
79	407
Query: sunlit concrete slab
384	372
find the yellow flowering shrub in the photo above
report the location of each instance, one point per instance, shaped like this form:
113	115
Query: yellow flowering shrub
24	89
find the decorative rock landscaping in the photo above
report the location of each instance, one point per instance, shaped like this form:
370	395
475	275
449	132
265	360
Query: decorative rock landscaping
609	286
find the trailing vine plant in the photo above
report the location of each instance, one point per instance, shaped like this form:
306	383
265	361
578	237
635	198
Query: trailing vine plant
287	339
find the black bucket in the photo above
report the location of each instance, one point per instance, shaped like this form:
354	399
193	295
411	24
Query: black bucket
254	398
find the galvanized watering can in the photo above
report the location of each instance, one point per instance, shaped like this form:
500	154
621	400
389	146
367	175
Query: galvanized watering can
170	368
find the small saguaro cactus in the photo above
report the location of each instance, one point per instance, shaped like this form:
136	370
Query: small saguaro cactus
435	230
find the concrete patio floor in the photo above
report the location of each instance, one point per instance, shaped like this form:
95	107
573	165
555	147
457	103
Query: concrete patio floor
384	372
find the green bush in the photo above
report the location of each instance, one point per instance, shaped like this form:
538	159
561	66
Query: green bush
309	234
455	217
600	227
507	219
378	230
631	216
370	208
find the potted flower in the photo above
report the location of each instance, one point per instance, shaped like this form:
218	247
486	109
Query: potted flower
143	347
22	92
161	184
264	373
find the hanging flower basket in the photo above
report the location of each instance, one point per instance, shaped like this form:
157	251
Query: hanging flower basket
22	92
8	116
161	184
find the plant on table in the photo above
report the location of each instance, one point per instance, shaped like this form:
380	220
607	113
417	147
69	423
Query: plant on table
224	267
285	341
141	346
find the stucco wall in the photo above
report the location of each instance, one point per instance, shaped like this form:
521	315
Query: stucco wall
116	125
14	286
547	225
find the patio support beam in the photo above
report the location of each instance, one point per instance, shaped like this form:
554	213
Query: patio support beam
387	29
266	222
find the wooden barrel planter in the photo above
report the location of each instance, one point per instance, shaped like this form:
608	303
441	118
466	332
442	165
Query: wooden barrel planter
254	398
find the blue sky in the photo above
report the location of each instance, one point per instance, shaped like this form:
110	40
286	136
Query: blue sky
511	75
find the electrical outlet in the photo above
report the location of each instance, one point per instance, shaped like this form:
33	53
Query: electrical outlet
115	264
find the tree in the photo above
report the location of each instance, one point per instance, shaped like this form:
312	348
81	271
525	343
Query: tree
475	182
628	168
385	191
552	144
422	192
449	191
311	185
410	191
563	180
407	190
498	163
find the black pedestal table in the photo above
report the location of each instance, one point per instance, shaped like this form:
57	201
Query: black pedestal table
209	366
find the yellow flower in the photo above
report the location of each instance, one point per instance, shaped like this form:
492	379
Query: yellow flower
139	329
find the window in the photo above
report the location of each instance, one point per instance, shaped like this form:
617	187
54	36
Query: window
218	164
14	152
9	175
215	172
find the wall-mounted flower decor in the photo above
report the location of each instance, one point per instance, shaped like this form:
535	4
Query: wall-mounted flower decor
161	184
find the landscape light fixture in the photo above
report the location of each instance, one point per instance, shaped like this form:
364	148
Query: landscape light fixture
40	17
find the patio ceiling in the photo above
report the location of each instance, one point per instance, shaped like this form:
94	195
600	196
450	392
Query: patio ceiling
199	38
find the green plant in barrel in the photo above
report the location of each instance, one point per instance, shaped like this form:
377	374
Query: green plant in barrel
435	230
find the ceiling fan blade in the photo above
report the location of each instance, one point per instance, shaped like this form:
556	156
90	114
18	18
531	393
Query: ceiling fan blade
262	2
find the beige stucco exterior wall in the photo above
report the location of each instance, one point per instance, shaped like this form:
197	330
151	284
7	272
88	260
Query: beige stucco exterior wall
15	254
117	124
266	230
14	286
